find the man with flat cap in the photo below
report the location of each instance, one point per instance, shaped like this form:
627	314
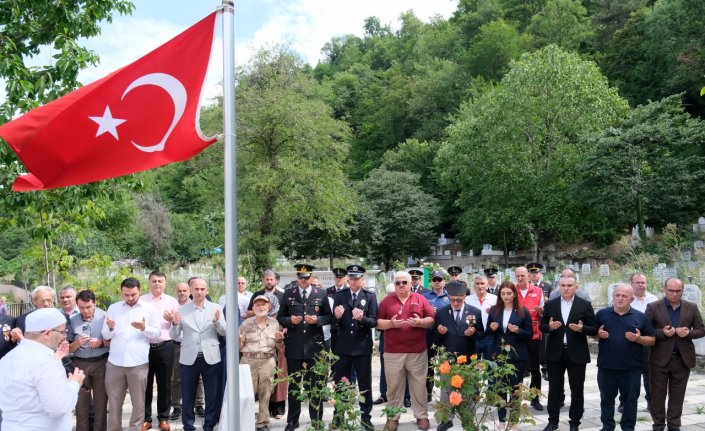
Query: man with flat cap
417	281
36	394
492	283
303	312
354	316
260	336
456	328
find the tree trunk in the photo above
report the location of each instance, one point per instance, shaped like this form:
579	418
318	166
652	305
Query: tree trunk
640	216
535	243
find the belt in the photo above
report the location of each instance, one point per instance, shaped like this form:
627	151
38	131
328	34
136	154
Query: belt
93	359
257	355
177	343
159	344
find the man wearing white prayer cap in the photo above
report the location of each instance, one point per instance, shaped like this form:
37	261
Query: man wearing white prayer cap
37	395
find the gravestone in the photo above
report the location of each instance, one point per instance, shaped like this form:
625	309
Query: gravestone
610	292
512	254
552	247
592	288
604	270
687	255
585	268
692	293
698	244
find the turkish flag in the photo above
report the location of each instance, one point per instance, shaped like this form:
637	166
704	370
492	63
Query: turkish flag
140	117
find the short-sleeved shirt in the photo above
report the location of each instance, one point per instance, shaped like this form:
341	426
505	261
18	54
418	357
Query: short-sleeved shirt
616	351
258	340
406	339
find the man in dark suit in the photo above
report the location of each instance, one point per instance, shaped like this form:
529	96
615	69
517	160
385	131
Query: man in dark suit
456	327
492	280
567	321
303	312
676	324
355	314
341	283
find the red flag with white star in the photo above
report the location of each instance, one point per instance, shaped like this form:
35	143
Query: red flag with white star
140	117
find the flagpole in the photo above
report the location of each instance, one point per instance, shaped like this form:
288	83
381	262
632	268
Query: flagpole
232	347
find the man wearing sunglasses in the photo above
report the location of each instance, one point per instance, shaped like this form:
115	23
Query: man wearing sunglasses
303	312
438	298
404	317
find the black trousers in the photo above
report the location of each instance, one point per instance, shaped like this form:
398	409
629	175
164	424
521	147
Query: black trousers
556	383
534	349
362	366
161	361
210	374
315	404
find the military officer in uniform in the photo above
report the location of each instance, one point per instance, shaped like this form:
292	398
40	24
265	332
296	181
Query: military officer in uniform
492	280
536	278
455	272
417	281
355	314
303	312
341	283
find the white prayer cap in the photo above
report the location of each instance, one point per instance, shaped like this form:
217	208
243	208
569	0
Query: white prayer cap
43	319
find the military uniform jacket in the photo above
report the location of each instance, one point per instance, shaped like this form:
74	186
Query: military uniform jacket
304	341
455	340
355	337
545	287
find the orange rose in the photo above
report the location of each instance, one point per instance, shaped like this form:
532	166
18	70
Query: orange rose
456	381
462	359
444	368
473	357
480	366
455	398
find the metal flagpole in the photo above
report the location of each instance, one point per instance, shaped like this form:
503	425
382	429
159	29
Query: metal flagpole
232	347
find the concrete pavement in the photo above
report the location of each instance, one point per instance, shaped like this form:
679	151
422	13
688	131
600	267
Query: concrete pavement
693	409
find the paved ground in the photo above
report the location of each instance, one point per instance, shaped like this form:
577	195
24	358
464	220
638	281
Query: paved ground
692	420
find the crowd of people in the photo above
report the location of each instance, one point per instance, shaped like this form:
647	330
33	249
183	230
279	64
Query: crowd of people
80	358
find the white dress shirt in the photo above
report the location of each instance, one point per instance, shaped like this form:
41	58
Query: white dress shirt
35	395
565	312
484	306
164	303
640	305
129	346
243	302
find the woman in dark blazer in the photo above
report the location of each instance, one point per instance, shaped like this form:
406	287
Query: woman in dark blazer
509	324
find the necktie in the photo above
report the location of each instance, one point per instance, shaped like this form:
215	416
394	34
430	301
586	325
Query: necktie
354	298
304	296
457	317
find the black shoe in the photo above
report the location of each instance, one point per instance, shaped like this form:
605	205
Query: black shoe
407	402
175	414
536	404
380	400
674	428
264	428
291	426
367	425
620	408
200	411
648	405
445	426
574	428
551	427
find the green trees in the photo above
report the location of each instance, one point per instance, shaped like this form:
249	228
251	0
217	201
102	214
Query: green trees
648	169
400	217
510	154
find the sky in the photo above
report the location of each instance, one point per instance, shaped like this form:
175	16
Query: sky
303	25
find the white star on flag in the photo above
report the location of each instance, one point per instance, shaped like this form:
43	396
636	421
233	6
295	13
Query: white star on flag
107	123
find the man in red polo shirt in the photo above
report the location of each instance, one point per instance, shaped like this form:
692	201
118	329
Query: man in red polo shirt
404	317
531	297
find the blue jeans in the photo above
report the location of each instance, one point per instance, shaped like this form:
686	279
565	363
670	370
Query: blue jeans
628	384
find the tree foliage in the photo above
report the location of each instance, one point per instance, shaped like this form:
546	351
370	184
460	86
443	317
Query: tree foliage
649	169
511	153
